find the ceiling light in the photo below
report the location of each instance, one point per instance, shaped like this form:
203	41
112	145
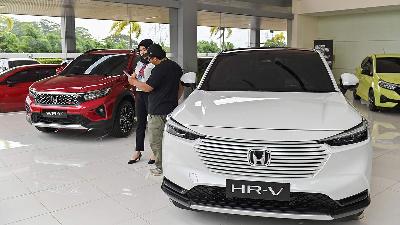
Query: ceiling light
2	6
149	18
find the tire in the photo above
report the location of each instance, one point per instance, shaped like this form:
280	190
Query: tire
371	101
124	120
46	129
179	205
355	95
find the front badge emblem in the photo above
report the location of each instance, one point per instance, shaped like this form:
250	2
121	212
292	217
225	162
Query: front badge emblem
259	157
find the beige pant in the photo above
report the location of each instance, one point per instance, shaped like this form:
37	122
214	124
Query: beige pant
156	126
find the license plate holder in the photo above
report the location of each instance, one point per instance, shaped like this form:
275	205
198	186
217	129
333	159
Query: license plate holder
54	114
257	190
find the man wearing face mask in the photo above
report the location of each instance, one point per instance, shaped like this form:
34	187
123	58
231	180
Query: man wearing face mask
142	73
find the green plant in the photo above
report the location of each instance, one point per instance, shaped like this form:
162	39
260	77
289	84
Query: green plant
278	40
134	27
215	30
50	60
6	24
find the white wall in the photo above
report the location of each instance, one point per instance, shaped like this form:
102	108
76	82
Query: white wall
323	6
358	35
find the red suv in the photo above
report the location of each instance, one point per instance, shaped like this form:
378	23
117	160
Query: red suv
92	92
15	82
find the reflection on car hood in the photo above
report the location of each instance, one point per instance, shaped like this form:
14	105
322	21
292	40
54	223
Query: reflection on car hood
75	83
268	110
393	78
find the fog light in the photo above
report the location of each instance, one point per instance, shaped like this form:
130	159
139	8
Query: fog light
101	111
384	99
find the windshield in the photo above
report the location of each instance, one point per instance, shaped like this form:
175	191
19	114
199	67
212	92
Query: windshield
269	70
388	65
97	64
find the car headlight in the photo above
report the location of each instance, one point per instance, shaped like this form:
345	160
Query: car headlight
32	92
386	85
354	135
177	129
91	95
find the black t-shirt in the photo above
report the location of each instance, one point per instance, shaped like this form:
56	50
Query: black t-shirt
164	79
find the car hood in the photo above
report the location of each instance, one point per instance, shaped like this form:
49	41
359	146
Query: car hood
393	78
75	83
268	111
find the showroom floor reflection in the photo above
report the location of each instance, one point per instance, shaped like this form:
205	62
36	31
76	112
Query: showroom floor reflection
76	177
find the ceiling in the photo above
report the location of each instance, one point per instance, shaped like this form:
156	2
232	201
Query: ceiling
106	10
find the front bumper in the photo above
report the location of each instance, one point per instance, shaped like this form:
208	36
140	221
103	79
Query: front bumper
83	116
301	205
340	188
388	98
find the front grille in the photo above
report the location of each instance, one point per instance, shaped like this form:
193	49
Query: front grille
288	159
57	99
71	119
300	202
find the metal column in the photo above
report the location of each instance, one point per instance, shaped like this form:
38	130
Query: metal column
68	38
183	34
255	32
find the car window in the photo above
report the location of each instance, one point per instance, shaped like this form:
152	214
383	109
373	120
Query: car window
388	65
269	70
366	66
21	63
24	76
100	64
45	72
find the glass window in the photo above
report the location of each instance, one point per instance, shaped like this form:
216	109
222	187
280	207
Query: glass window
97	64
269	70
388	65
46	72
24	76
22	62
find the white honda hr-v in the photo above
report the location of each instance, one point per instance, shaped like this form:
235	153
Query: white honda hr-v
268	132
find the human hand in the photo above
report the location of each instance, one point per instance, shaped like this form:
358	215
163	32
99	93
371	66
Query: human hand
132	80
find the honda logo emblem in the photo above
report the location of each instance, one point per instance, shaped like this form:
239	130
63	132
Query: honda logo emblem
259	157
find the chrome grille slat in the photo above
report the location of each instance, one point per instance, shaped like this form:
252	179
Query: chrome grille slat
288	159
278	157
57	99
263	175
269	168
289	149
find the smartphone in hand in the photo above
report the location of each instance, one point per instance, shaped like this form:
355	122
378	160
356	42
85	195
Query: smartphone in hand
127	74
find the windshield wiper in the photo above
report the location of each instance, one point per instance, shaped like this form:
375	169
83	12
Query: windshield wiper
250	84
291	72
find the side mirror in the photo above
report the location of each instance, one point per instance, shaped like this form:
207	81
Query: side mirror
189	79
348	81
366	72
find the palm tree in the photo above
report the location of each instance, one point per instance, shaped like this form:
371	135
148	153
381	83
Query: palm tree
6	23
215	30
134	27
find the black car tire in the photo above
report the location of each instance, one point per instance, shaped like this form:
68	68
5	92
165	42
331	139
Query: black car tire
371	101
124	120
46	129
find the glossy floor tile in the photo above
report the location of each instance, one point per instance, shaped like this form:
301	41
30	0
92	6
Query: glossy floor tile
82	178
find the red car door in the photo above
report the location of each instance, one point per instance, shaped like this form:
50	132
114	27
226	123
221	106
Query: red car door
15	88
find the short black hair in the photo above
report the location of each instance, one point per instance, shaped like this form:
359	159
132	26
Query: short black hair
145	43
155	50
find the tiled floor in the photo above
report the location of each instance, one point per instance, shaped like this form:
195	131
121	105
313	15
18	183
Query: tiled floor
81	178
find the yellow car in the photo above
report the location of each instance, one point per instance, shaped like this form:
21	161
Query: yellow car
379	81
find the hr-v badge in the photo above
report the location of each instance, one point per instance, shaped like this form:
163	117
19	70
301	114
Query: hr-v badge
259	157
